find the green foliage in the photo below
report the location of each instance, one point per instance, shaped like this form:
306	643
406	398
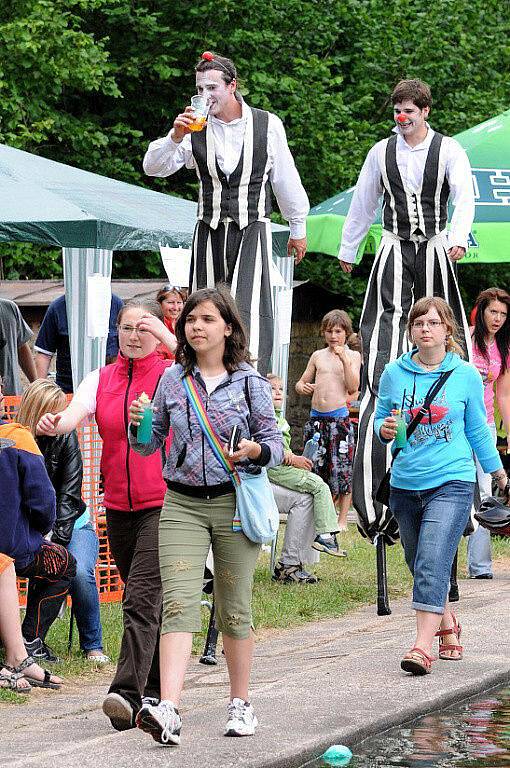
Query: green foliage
90	82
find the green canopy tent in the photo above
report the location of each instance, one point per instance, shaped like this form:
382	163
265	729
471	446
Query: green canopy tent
488	149
89	216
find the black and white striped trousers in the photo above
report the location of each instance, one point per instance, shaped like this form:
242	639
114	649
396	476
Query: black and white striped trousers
403	272
241	258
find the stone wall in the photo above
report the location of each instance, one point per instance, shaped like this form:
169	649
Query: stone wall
305	339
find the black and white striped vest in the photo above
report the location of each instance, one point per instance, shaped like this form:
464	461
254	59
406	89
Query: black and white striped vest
407	213
245	196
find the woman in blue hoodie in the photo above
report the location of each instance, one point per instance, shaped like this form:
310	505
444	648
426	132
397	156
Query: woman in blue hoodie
432	478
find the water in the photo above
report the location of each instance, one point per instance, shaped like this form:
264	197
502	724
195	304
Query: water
474	734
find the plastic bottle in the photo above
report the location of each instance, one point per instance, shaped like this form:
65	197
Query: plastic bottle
337	755
401	436
312	446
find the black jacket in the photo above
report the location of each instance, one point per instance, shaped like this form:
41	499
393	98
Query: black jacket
62	457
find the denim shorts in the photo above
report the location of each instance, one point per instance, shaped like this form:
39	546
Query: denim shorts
431	525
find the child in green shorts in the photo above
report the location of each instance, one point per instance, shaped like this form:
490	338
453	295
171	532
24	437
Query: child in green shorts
296	475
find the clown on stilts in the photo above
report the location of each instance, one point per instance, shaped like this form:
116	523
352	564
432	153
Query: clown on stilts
239	156
416	172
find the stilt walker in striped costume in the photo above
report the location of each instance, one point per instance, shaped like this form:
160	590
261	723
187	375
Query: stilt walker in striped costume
416	172
240	155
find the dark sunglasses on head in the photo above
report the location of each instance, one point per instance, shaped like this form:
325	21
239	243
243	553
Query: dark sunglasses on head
167	288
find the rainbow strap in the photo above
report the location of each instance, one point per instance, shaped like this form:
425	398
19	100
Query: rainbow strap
214	441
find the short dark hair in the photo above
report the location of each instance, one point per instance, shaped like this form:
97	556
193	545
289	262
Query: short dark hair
236	345
222	64
415	90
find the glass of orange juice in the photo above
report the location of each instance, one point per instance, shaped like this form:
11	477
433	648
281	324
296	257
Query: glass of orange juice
200	108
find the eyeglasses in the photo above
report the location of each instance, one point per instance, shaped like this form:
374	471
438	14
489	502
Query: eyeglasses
129	329
432	324
167	288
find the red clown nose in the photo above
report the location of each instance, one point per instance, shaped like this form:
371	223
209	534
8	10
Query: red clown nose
207	56
400	118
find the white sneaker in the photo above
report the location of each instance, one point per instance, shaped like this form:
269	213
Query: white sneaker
241	719
163	722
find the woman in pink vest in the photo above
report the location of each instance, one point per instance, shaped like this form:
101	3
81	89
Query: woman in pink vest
133	496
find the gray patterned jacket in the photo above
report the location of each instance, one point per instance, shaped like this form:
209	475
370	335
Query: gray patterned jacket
191	460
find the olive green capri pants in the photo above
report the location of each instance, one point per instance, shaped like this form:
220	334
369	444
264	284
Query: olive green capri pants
188	526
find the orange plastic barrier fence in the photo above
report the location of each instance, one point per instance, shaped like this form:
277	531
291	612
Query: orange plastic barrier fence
109	583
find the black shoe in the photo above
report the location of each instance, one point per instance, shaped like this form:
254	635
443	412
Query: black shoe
40	651
293	574
329	545
484	576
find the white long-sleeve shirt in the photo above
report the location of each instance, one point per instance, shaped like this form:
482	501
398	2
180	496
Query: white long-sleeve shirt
411	163
164	157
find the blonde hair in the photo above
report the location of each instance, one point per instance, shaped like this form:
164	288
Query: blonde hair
274	377
40	397
422	306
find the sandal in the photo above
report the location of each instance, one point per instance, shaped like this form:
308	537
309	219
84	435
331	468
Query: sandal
455	630
417	662
46	682
11	681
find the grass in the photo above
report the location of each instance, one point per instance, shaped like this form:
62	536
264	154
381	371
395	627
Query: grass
345	584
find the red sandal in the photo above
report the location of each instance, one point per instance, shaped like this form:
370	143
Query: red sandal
417	662
455	630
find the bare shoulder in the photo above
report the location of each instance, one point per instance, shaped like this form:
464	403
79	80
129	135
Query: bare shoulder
354	356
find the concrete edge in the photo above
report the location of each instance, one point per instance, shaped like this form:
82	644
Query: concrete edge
352	736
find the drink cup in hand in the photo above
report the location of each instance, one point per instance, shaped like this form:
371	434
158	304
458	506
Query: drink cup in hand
145	426
200	111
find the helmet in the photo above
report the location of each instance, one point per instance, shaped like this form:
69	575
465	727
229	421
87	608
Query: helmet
495	516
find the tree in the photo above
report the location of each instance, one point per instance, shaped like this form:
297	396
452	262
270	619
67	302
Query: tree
91	82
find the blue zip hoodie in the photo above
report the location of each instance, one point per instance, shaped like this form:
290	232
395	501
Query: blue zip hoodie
27	498
441	447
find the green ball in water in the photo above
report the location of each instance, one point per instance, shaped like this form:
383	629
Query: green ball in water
337	755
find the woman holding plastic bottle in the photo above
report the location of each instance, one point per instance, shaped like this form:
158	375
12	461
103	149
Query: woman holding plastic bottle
213	376
432	477
133	495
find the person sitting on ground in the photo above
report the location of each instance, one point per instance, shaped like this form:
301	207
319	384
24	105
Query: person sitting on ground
72	528
20	672
27	514
332	374
295	475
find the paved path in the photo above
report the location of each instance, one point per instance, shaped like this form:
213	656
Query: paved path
328	682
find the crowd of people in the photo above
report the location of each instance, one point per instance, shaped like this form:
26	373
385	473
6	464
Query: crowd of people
201	364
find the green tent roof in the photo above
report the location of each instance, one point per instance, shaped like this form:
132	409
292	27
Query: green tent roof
42	201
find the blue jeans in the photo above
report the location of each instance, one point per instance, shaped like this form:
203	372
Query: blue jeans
84	545
431	525
479	543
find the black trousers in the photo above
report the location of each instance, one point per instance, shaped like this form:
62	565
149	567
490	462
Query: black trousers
49	577
241	258
403	272
133	539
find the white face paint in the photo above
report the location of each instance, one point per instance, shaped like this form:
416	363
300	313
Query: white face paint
220	95
413	118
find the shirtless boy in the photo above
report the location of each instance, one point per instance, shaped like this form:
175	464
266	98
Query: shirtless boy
331	376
